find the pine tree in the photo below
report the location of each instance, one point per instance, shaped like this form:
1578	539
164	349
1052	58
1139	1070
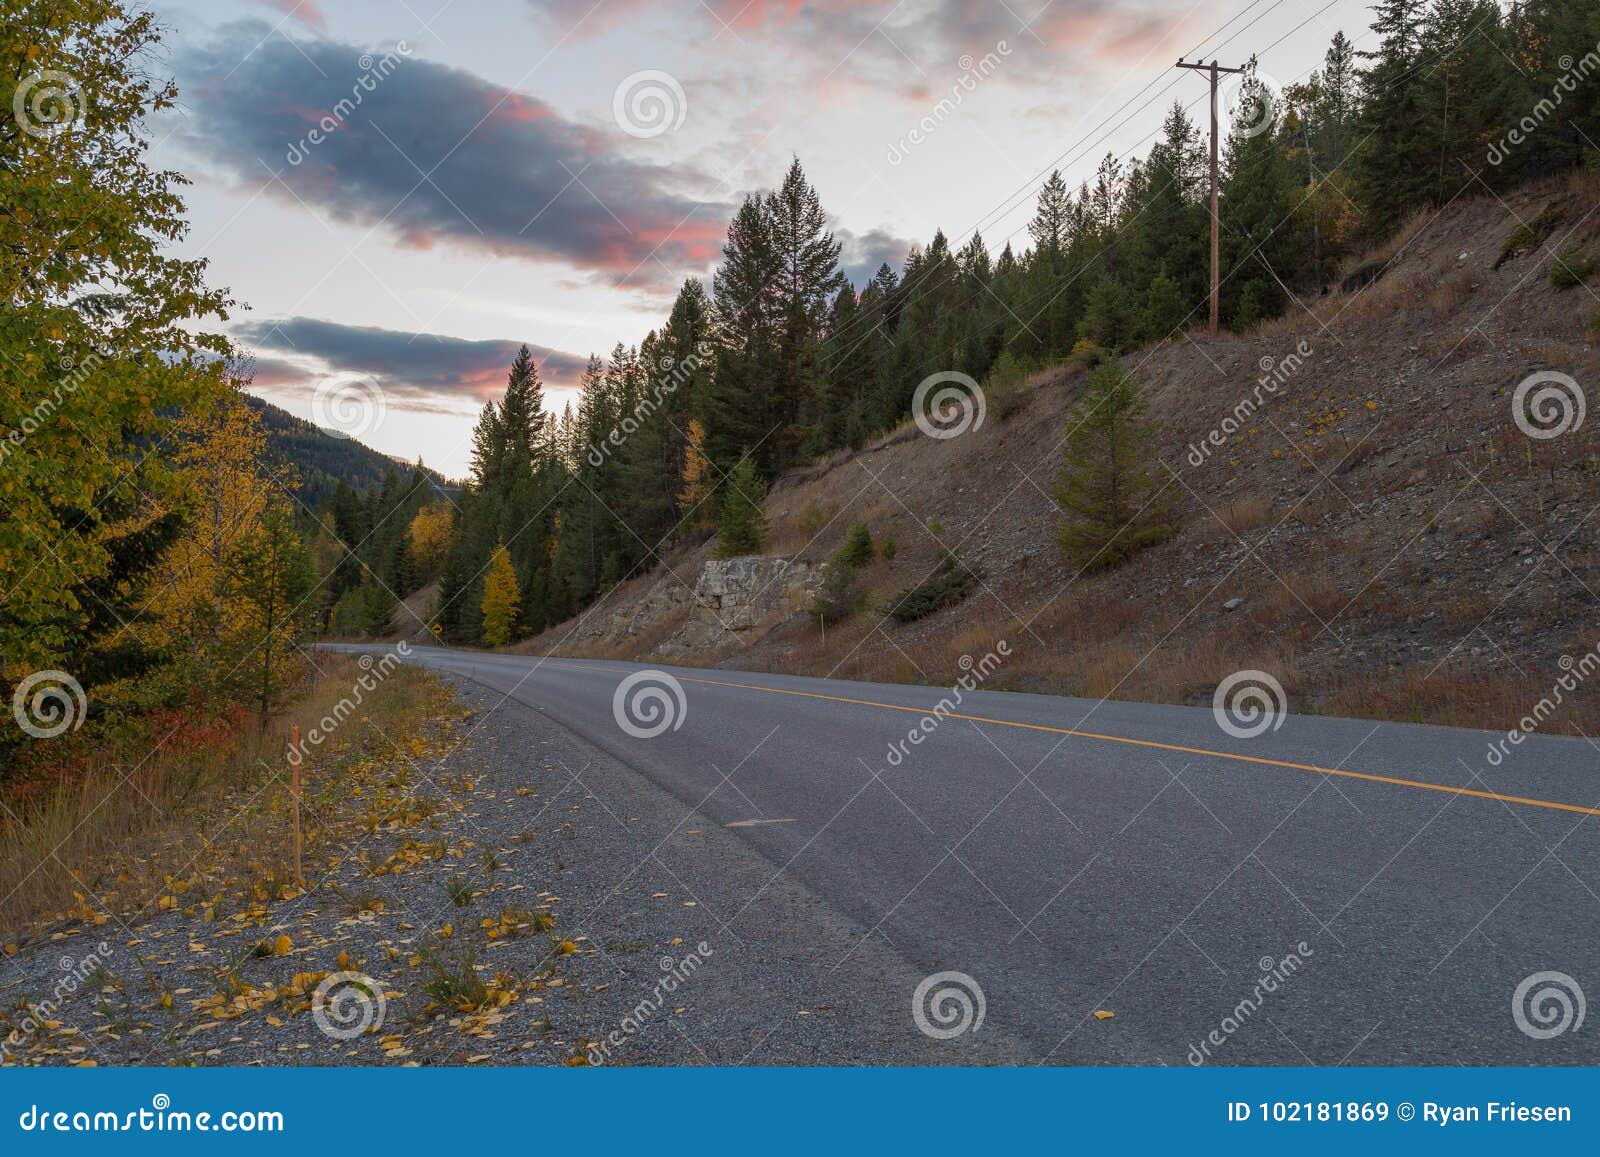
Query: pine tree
1337	105
1261	243
743	526
488	449
1395	165
809	276
1165	313
1110	318
522	418
502	599
858	549
1050	220
1113	505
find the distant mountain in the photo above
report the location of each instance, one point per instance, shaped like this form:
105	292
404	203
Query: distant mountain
323	459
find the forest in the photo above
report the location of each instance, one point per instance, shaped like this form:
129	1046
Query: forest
779	360
157	555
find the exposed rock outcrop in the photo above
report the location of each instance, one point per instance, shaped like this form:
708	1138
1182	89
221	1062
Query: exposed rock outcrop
732	599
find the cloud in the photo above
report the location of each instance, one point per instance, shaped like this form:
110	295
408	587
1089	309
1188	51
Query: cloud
437	155
305	11
416	371
861	254
915	48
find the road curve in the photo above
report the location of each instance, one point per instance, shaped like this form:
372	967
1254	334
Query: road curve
1328	891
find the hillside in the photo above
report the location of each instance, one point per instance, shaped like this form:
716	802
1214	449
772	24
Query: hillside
321	458
1396	545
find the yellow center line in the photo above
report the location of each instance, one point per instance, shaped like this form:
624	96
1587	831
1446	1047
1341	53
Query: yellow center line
1076	733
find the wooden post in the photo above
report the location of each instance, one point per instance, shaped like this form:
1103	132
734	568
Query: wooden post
1216	219
294	790
1216	223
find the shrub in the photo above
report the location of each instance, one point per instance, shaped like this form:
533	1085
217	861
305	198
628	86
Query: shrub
948	585
1571	268
1532	234
813	518
837	599
857	549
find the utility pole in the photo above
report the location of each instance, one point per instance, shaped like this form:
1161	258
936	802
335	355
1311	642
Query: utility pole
1216	226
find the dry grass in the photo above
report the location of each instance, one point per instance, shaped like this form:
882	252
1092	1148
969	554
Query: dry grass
126	821
1245	513
1453	695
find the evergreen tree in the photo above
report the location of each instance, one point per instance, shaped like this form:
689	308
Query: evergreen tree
741	408
1396	163
1113	505
1260	237
743	525
1165	314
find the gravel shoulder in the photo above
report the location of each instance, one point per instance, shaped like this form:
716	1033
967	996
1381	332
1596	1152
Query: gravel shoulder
526	899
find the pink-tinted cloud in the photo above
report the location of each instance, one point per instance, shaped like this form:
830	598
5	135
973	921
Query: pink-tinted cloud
438	156
305	11
415	370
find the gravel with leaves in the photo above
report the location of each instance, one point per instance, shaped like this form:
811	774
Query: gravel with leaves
494	890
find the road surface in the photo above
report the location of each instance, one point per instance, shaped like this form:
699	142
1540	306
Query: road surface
1328	891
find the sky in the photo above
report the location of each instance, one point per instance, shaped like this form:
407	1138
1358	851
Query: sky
401	193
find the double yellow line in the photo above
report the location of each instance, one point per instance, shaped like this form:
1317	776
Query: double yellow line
1393	781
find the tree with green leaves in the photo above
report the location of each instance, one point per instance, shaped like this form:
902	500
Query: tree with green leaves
743	525
1395	164
1113	503
99	337
269	577
1261	245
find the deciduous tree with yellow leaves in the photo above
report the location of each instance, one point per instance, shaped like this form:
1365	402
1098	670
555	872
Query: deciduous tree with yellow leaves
98	342
502	599
429	536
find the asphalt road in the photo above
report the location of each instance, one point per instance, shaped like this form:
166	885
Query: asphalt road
1225	899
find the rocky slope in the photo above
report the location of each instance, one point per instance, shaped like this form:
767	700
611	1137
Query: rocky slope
1362	515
